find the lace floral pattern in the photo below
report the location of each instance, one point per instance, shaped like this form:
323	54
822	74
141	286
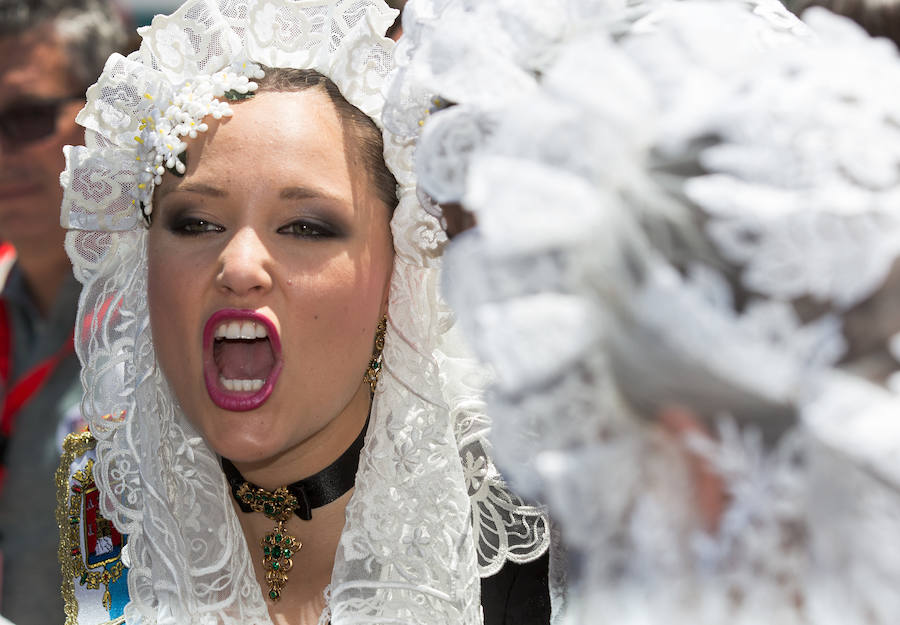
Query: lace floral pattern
430	512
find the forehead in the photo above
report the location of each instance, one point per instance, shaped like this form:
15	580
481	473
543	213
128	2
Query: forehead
34	64
273	139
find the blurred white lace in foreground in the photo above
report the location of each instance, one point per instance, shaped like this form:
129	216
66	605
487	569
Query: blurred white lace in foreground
681	204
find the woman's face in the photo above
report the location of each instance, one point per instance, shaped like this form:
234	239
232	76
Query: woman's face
269	264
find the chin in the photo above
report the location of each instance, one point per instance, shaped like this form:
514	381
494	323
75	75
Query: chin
242	437
245	449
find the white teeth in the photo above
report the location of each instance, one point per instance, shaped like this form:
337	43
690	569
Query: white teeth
241	330
241	385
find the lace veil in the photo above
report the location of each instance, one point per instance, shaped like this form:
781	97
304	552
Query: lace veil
695	202
430	513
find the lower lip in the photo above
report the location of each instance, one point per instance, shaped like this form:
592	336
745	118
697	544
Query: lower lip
237	401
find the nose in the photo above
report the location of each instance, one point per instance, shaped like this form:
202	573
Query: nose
245	264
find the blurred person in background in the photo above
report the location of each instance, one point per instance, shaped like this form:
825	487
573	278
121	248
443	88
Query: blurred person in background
50	52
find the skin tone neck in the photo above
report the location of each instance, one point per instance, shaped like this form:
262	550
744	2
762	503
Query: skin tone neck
315	453
302	603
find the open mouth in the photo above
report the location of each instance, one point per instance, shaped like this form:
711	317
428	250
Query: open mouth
241	359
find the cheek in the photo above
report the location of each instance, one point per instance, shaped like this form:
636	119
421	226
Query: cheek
158	289
342	299
41	164
47	153
170	304
340	306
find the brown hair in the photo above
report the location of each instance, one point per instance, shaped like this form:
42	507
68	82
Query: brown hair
365	141
880	18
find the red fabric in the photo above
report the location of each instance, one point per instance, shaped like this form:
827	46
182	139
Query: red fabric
100	315
7	251
5	345
29	384
17	394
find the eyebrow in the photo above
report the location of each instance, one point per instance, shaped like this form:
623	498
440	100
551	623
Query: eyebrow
287	193
195	187
305	193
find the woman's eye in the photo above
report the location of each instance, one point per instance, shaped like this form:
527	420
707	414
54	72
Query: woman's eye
307	229
193	226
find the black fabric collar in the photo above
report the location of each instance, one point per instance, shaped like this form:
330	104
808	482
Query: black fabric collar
314	491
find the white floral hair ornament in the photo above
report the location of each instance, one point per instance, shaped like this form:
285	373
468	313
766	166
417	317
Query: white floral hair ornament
430	513
145	104
731	244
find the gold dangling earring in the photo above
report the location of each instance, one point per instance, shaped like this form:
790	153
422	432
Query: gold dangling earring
375	362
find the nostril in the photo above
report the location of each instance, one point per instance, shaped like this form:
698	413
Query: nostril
243	276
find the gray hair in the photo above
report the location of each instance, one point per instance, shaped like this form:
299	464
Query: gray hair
91	30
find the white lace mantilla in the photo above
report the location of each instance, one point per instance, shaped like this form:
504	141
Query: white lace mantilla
430	513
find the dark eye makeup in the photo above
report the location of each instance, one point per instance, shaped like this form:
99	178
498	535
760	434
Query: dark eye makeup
308	228
191	226
184	224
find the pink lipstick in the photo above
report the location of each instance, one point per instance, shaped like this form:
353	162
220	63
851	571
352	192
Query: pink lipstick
241	359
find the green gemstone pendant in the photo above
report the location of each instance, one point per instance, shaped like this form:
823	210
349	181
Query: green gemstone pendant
278	549
278	546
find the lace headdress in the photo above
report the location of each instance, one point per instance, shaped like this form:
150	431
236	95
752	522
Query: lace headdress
699	205
430	512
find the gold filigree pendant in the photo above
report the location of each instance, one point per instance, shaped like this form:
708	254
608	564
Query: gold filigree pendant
278	546
278	549
296	499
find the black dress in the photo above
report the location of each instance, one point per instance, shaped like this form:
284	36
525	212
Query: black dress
517	594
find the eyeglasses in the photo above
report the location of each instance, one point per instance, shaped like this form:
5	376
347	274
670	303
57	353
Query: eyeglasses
27	122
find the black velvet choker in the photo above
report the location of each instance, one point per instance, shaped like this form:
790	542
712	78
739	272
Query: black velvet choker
297	498
311	492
